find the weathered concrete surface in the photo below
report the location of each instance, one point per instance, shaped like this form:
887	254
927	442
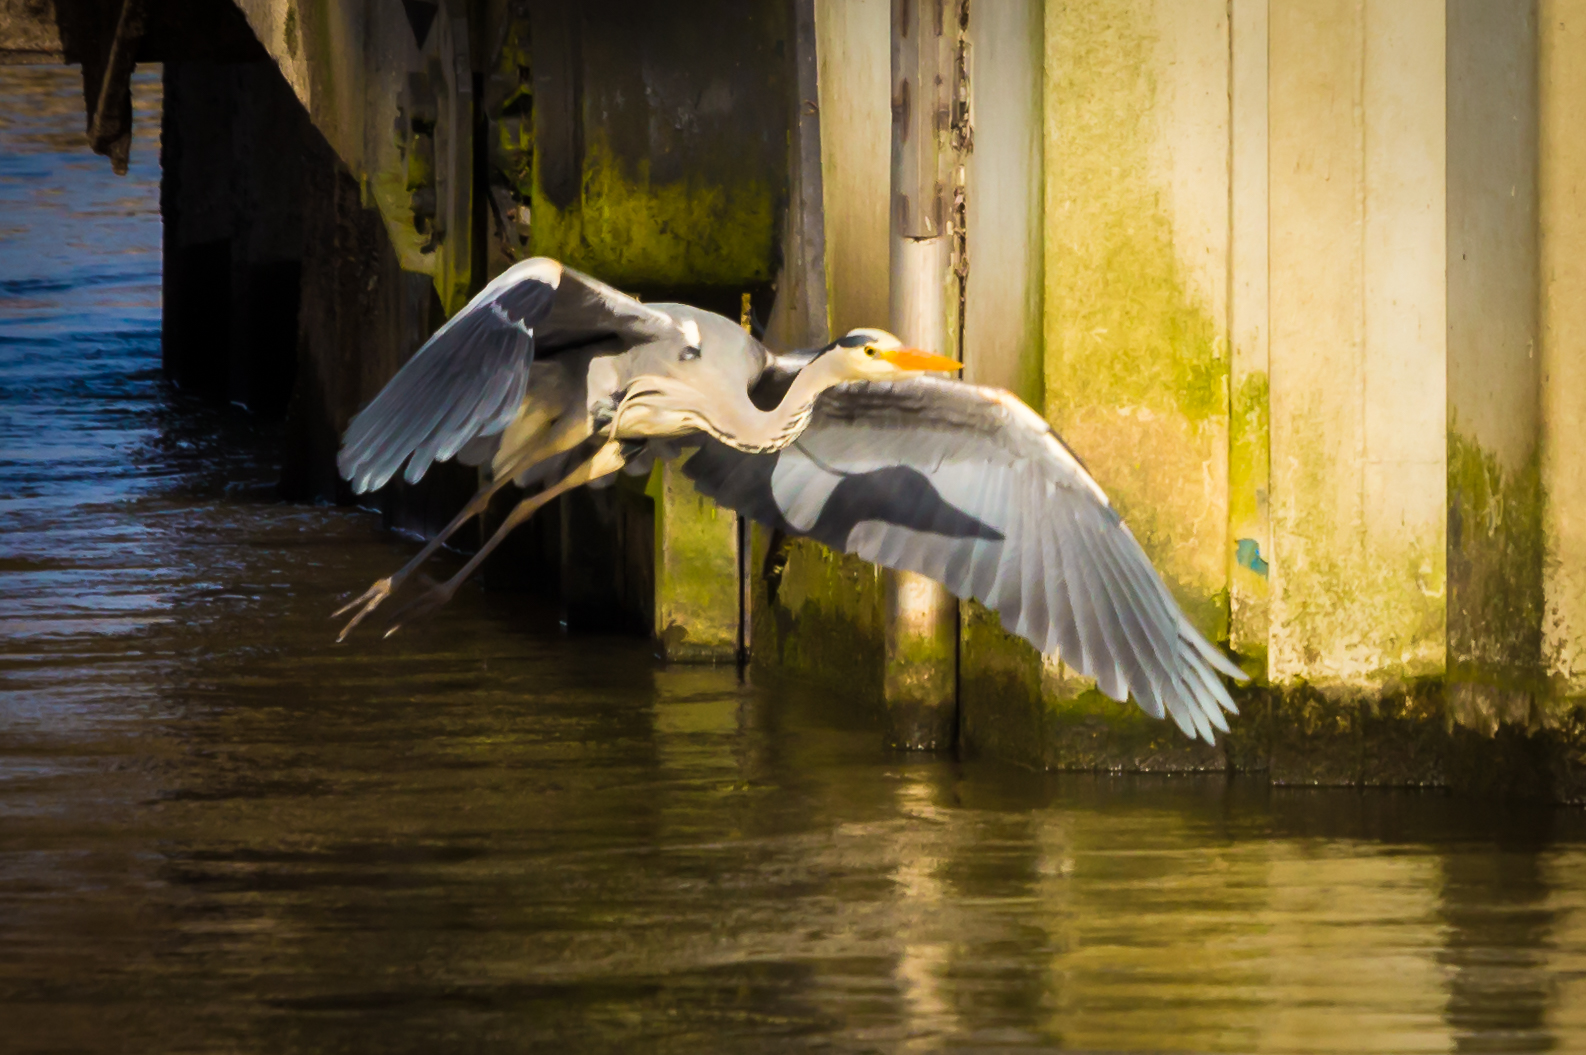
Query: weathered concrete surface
1562	349
1357	342
1494	373
1249	420
1136	147
1000	702
800	315
920	679
361	317
1002	181
696	572
853	50
694	201
1136	362
819	617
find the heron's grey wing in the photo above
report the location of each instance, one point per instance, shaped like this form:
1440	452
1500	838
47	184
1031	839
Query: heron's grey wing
971	487
467	381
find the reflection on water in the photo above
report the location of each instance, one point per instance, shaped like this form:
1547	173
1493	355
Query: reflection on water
218	831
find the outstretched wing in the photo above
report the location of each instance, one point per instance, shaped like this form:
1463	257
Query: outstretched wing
971	487
468	380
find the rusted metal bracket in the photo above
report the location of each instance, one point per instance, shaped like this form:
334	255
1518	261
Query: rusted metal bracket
110	130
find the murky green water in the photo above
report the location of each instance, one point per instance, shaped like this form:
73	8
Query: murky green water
219	832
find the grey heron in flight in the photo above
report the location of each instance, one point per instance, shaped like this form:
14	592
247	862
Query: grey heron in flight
854	445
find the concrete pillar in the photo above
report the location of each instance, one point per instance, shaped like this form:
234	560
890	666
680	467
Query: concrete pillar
852	47
1136	132
1494	373
1249	426
1357	337
1357	357
921	677
1562	222
999	675
818	615
696	572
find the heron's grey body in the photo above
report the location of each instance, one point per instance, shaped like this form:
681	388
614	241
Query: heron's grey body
529	379
466	386
549	376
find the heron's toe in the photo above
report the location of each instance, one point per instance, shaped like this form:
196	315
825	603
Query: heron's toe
370	600
422	606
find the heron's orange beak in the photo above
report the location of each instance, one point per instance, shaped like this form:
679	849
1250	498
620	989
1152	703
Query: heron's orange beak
916	359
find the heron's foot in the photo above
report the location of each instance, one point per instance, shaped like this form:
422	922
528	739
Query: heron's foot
424	605
370	600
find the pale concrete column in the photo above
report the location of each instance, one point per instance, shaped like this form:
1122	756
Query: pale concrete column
852	47
1494	372
1358	337
696	571
818	614
1562	216
999	675
1249	424
1002	185
921	676
1136	246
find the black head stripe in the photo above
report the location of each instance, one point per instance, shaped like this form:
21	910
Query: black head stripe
853	340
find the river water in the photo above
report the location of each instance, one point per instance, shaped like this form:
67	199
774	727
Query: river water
221	832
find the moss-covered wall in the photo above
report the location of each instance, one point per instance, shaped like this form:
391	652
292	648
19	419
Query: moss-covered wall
1136	363
1561	183
1494	380
642	234
696	571
1249	422
1495	586
818	616
1357	344
672	173
1136	367
1249	519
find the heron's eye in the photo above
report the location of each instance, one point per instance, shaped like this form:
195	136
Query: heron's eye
871	352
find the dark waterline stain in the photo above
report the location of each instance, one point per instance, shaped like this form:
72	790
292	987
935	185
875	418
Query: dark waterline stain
219	831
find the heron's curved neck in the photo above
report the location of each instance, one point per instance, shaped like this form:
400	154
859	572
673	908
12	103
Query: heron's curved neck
761	431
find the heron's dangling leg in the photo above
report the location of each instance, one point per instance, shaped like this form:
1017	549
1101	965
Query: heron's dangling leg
608	459
371	598
562	437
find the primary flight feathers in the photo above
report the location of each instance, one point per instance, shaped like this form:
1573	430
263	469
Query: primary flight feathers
970	487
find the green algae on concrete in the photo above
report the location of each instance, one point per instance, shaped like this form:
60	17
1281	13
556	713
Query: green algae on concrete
1086	730
642	234
696	571
1356	607
1136	371
920	670
1495	592
1136	375
819	617
1000	706
1249	483
1344	738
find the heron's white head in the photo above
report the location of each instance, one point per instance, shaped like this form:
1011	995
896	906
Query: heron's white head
875	355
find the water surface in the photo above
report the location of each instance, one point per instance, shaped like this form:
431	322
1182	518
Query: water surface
219	832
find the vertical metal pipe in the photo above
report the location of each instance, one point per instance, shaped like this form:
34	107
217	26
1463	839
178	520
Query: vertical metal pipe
921	679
